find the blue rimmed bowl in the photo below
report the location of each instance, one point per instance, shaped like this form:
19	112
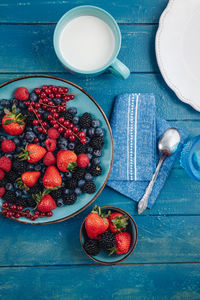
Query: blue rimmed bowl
103	257
83	102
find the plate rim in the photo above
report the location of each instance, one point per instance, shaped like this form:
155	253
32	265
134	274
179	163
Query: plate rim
159	60
110	132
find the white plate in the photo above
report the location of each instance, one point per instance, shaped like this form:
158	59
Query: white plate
178	49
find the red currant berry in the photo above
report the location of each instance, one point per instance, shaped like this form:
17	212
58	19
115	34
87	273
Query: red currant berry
56	115
42	214
53	122
9	214
40	129
49	117
65	90
61	119
50	103
51	86
5	205
45	100
4	212
44	87
71	97
28	216
53	110
51	95
39	115
49	214
17	215
44	124
68	132
81	134
48	109
58	95
71	125
27	211
30	108
54	89
72	138
37	91
60	129
66	123
37	212
19	207
75	129
83	140
36	140
40	101
13	207
43	95
66	98
35	122
32	103
56	126
35	110
48	91
37	105
27	103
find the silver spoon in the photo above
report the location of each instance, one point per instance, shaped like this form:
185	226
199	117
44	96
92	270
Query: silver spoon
167	145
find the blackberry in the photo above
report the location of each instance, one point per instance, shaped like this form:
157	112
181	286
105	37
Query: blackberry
68	116
30	116
22	201
57	194
97	142
30	202
35	189
89	187
85	121
19	166
95	170
70	199
107	240
80	148
3	182
71	183
11	176
78	173
10	196
92	247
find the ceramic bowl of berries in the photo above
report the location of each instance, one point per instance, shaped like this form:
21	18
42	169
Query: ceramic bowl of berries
108	235
56	149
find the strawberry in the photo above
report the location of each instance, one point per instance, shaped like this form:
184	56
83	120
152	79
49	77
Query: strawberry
7	146
2	174
2	191
21	93
50	145
53	133
82	160
123	241
66	160
5	163
13	122
46	204
32	153
96	223
52	178
117	222
49	159
29	178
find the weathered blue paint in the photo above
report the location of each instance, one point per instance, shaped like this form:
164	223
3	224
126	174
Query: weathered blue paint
169	233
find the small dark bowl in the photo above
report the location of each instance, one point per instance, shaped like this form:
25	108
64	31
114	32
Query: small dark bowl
103	256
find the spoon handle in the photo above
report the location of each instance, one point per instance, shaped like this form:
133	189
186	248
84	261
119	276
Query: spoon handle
142	205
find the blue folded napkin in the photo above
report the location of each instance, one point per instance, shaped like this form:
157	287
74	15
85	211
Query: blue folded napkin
136	131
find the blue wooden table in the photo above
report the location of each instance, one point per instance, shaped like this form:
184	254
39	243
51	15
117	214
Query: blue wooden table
47	262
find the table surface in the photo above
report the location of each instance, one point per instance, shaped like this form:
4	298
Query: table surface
47	262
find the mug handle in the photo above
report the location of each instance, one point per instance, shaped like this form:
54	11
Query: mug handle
119	70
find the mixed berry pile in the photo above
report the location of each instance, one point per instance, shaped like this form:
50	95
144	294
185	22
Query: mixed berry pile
53	155
107	231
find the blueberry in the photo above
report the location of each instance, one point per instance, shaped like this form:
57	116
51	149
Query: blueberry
2	138
57	101
68	175
96	161
38	168
78	191
90	132
41	111
33	97
88	177
75	120
95	123
4	103
35	129
15	185
22	105
71	146
81	182
30	167
24	192
90	149
21	136
98	131
16	141
43	144
62	144
24	142
9	186
29	129
66	191
89	155
87	139
72	110
18	150
9	155
18	193
14	101
29	136
97	153
41	137
89	165
59	202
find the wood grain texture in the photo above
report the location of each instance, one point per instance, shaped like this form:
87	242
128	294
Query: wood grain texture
122	283
35	51
161	239
104	88
39	11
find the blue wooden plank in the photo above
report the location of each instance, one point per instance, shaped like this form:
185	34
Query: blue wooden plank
121	283
161	239
104	88
37	11
35	53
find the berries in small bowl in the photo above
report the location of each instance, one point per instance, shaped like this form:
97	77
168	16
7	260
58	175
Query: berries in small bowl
108	235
